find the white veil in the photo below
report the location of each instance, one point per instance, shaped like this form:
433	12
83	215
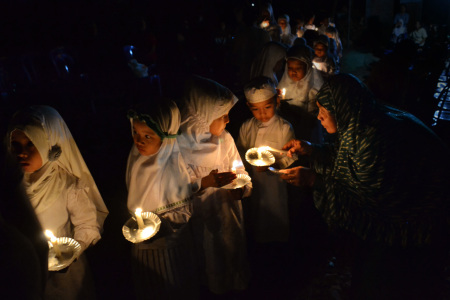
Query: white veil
159	182
45	127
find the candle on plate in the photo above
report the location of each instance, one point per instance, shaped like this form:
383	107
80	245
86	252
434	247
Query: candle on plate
139	219
235	164
54	242
283	93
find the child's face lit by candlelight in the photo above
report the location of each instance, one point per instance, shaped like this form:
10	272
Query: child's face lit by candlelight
296	69
320	50
27	154
327	119
264	111
218	125
146	140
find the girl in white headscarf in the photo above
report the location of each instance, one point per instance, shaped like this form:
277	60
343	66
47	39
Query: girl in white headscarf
301	82
287	37
158	182
61	190
210	154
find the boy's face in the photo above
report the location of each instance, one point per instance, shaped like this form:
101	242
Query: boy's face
146	140
282	23
264	111
218	125
27	154
296	69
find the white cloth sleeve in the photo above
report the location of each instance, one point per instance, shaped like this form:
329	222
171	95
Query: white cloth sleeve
83	216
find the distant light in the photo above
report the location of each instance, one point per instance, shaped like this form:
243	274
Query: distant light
131	52
67	68
253	4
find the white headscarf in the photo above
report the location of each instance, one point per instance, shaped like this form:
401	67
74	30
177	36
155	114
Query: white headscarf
300	91
158	182
399	30
205	101
287	30
46	129
263	65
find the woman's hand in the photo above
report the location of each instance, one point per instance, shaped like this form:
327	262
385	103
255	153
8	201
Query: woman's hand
298	147
216	179
299	176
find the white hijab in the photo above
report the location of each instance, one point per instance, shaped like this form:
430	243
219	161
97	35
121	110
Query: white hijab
158	182
301	91
205	101
45	127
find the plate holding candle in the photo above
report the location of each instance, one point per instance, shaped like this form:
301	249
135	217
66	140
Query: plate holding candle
141	227
62	252
259	157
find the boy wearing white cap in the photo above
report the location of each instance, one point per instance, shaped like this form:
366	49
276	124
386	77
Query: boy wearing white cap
269	218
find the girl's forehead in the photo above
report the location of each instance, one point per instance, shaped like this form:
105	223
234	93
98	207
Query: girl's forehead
142	126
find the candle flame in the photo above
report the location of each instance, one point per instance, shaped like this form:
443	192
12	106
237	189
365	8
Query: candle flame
50	235
138	210
283	92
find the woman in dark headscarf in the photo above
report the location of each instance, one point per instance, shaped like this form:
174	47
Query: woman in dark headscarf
384	182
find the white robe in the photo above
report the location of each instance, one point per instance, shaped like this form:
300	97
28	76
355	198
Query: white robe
269	213
217	219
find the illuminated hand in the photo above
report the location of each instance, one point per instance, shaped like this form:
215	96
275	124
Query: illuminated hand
215	179
298	146
299	176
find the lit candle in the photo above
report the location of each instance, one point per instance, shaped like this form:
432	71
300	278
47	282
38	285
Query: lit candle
283	93
139	219
54	242
235	164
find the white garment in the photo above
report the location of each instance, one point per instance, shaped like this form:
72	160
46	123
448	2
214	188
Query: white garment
62	191
302	93
419	36
269	200
272	55
160	182
217	219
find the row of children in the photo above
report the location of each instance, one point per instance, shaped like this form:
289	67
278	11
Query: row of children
176	168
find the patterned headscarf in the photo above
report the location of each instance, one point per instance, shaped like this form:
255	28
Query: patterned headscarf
347	99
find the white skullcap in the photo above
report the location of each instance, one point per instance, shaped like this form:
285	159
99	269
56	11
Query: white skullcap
264	93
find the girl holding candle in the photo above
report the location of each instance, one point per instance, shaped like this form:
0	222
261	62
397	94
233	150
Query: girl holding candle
61	190
158	181
209	152
302	82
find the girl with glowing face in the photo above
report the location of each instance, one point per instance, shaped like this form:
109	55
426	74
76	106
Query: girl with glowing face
218	125
146	140
27	154
296	69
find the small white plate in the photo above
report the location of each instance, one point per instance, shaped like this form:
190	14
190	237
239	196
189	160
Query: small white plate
240	181
261	158
131	229
70	250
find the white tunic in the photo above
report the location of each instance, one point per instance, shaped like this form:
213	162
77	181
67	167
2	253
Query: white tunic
269	200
